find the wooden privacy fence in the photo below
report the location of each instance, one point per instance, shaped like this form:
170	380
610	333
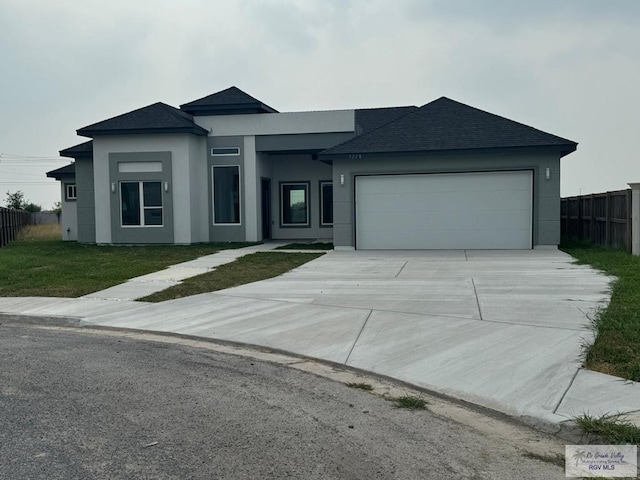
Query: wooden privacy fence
602	218
11	222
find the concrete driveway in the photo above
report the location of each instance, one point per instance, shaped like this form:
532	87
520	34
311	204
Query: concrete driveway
503	329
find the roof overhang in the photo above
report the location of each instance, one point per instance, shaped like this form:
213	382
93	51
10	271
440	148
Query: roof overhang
229	109
561	150
63	173
92	133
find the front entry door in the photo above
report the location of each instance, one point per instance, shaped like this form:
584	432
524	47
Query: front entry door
266	207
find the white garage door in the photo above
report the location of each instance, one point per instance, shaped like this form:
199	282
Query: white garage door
491	210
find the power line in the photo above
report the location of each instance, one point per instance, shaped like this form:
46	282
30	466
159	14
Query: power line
17	155
26	183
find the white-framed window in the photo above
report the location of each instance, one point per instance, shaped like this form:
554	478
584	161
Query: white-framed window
294	204
70	191
326	204
225	151
141	204
225	193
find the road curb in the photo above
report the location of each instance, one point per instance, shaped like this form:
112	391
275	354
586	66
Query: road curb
566	431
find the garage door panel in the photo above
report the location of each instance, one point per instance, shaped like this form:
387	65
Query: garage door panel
444	211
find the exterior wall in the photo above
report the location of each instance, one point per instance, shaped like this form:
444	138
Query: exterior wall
180	148
299	168
228	233
85	204
300	142
279	123
199	192
69	215
546	192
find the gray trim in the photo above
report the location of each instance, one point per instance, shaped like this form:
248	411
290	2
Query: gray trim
86	213
307	201
546	192
292	143
141	235
226	232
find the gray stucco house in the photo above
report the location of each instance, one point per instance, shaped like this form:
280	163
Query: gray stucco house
228	167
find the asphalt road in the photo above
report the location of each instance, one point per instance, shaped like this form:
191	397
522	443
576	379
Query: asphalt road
82	405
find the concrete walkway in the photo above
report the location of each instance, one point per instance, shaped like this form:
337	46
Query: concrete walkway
502	329
144	285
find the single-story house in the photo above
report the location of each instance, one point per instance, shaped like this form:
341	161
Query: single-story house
228	167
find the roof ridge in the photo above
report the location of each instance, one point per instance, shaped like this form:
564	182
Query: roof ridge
446	125
495	115
176	111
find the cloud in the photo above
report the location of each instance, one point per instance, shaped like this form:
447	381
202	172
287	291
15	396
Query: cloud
567	67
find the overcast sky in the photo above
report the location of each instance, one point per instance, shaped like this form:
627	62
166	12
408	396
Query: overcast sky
568	67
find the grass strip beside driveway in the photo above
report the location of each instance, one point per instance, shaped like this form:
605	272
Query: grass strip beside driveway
247	269
53	268
616	350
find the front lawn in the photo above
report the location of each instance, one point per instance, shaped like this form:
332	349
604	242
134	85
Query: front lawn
32	266
616	350
247	269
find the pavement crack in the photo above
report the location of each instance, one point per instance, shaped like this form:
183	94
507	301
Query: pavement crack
401	268
475	292
567	390
358	337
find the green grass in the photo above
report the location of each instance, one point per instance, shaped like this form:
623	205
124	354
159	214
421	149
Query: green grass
610	428
361	386
306	246
247	269
413	403
616	350
53	268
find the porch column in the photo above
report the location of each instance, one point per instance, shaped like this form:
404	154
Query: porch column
251	183
635	218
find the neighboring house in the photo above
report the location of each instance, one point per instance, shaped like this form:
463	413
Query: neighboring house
228	167
68	217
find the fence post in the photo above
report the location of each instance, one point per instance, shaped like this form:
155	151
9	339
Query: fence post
635	218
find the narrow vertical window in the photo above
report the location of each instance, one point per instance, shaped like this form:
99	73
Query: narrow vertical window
226	194
326	204
294	204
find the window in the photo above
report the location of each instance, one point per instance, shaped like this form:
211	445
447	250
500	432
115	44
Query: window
226	194
294	204
225	151
141	204
70	191
326	204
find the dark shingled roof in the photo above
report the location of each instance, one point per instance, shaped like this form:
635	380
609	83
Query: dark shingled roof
368	119
156	118
231	101
445	124
83	150
61	173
